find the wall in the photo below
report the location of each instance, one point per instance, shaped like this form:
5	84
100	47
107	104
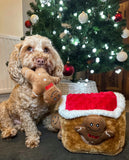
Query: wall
11	29
26	7
11	19
6	47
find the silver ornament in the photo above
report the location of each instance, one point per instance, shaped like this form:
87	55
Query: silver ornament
122	56
83	17
125	33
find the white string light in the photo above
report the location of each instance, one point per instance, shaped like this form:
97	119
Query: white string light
48	4
113	18
66	31
42	5
97	60
89	10
96	32
52	13
115	25
94	50
75	14
61	9
92	71
54	32
110	57
79	27
63	47
112	53
102	15
76	43
106	46
61	2
83	46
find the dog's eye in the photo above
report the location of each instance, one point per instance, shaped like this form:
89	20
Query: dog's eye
46	50
30	49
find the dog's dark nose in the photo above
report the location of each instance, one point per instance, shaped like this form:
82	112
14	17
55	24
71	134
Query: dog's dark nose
40	61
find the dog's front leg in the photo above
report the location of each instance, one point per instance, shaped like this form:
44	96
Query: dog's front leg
31	131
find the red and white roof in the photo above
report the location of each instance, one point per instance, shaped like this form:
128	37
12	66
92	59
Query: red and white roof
110	104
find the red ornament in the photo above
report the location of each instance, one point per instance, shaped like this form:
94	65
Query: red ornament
28	24
68	69
118	17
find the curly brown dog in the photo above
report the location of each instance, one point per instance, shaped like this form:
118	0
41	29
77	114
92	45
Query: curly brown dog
21	111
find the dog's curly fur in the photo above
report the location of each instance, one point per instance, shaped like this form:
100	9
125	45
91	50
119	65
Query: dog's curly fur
20	111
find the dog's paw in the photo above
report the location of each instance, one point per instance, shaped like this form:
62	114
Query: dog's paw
9	132
32	141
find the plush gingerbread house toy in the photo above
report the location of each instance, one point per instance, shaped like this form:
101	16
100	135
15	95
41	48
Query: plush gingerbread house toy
93	123
43	84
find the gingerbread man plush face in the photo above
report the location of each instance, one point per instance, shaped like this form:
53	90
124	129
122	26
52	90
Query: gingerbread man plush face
93	130
95	125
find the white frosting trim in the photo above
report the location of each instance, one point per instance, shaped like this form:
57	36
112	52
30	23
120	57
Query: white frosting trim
79	113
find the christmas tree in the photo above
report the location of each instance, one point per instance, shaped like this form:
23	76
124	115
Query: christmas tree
87	32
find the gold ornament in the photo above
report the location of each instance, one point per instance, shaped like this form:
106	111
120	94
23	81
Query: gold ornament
62	35
65	25
34	18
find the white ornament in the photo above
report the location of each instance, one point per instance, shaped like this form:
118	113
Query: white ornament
122	56
125	33
34	18
83	17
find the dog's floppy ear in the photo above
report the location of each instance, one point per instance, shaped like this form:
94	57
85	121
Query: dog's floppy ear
59	67
14	67
18	46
